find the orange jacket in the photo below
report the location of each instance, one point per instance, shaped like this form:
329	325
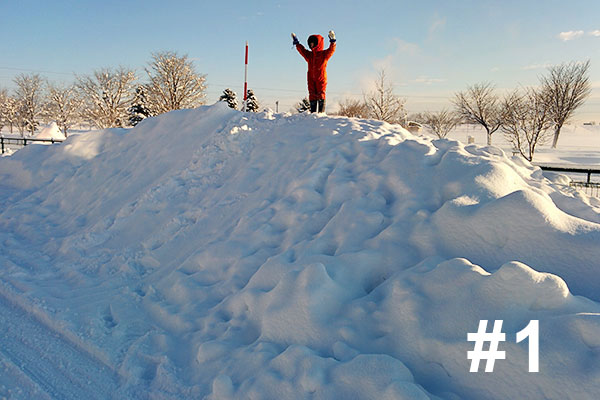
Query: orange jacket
317	64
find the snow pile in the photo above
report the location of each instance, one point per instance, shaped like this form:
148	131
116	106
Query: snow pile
223	254
51	132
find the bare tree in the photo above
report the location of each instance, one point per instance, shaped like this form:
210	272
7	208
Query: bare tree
353	108
527	121
417	117
480	105
106	96
441	122
567	86
174	83
383	104
63	106
29	94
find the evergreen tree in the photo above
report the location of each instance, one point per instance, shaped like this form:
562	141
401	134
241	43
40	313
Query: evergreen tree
251	102
230	97
303	105
139	107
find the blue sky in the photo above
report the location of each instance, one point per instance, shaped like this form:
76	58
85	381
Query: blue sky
429	49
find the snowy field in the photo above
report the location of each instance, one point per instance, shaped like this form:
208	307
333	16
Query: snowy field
216	254
577	144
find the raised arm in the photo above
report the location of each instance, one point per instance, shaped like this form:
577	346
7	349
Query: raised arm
303	52
331	49
301	49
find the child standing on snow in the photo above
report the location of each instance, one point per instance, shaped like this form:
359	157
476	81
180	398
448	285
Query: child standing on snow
317	59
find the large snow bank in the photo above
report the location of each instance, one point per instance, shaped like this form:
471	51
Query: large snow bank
234	255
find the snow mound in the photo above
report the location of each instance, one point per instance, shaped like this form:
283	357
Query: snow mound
214	253
51	132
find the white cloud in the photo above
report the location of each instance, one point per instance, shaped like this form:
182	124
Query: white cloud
404	48
393	64
428	81
570	35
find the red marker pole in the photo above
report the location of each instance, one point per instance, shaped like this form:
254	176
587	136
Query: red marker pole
246	78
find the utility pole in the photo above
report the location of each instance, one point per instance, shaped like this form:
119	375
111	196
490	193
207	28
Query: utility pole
245	78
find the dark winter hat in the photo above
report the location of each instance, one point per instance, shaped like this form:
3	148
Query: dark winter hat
313	39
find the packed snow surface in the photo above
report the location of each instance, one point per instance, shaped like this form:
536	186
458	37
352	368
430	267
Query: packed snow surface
219	254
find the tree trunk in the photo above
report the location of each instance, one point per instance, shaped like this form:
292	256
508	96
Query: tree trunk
556	133
489	138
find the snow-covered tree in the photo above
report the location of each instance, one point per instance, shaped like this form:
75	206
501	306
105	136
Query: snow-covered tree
9	108
251	102
107	95
29	94
383	104
139	109
174	83
21	119
303	105
3	101
63	106
230	97
479	104
567	87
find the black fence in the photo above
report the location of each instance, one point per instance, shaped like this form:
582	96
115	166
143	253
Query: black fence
591	189
573	171
12	141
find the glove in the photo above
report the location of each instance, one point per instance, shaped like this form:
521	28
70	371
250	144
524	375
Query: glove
295	40
331	36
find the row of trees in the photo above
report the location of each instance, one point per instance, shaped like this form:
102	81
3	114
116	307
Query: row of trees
528	117
250	104
107	98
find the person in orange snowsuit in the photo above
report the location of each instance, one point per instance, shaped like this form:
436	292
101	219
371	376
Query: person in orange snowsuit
317	59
